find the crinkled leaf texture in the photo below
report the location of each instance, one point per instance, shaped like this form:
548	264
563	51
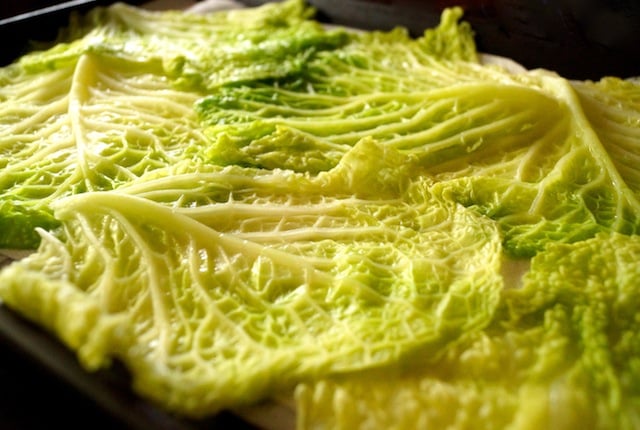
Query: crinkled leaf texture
549	161
93	126
116	101
280	278
563	353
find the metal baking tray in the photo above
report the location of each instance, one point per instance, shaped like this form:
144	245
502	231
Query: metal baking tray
35	350
20	32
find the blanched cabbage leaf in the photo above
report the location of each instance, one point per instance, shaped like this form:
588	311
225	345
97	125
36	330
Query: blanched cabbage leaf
612	107
93	126
529	151
563	353
278	278
117	101
204	50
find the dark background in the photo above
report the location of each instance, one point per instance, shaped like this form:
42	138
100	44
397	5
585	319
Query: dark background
13	7
32	398
43	386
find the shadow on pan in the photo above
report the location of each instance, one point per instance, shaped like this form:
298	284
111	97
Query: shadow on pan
43	384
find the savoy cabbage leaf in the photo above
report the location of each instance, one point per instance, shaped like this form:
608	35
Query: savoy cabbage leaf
117	99
93	126
562	353
529	150
204	50
269	280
